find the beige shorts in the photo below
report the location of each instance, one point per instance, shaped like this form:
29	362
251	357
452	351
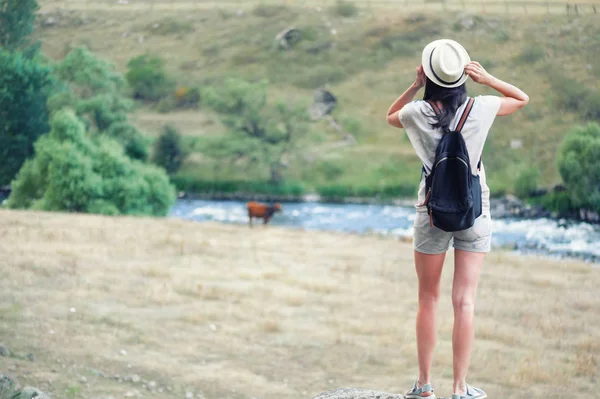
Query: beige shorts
431	240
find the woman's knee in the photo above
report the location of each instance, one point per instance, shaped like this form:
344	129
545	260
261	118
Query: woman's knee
463	302
429	295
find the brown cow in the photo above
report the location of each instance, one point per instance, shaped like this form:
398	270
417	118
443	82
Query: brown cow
261	211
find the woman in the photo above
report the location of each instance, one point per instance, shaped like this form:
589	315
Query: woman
444	70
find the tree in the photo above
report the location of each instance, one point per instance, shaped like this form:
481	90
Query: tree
579	165
147	78
168	151
16	22
260	134
72	171
93	88
24	88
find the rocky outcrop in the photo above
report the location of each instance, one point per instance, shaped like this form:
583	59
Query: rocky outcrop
288	38
323	103
9	389
510	206
354	393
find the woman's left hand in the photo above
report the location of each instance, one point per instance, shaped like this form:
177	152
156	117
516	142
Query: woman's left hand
421	78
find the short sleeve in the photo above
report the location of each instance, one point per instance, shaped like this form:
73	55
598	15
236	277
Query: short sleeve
406	114
488	109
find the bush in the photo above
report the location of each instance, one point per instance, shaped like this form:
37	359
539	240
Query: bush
268	10
134	143
579	166
532	54
168	152
558	201
187	97
501	36
170	26
527	182
147	77
337	192
345	8
16	22
193	184
72	173
24	89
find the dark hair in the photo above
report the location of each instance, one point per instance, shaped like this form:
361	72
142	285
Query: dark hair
451	99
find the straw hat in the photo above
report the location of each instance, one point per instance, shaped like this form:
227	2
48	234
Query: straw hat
444	62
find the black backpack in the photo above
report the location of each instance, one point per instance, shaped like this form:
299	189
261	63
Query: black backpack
453	193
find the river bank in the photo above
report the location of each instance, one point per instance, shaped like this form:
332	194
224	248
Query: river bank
124	307
507	206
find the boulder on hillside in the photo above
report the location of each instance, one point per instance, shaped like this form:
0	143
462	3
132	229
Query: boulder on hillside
354	393
323	103
32	393
288	38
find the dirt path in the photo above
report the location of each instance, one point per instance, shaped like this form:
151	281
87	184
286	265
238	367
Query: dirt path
111	307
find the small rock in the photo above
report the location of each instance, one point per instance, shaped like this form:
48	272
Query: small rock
30	357
31	393
83	379
135	378
129	394
467	22
152	384
4	350
73	310
123	352
189	395
213	327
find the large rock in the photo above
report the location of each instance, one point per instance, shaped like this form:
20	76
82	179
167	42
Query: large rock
288	38
323	103
32	393
354	393
4	350
510	206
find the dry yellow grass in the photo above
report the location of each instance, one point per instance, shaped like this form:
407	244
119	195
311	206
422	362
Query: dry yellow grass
270	313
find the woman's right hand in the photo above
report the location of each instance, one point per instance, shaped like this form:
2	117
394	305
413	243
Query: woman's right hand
478	73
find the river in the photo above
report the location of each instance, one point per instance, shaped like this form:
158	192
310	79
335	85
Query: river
548	237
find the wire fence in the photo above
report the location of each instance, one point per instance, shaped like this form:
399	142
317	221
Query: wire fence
482	6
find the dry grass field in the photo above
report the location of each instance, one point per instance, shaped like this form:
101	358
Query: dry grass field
178	308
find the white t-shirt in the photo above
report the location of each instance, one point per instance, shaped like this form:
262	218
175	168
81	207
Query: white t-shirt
425	139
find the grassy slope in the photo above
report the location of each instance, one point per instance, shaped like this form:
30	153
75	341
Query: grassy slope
372	62
270	313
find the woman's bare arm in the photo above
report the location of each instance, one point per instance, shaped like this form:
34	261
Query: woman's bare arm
514	98
405	98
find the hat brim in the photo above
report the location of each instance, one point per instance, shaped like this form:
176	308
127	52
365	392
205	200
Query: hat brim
427	66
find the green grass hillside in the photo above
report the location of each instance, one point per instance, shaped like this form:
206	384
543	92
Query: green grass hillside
366	59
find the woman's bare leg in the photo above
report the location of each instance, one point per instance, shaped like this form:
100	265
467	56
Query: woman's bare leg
467	267
429	272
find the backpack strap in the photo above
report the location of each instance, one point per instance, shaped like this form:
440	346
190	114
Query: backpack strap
436	109
465	115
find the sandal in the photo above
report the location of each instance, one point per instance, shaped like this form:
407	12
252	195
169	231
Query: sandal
417	393
472	393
